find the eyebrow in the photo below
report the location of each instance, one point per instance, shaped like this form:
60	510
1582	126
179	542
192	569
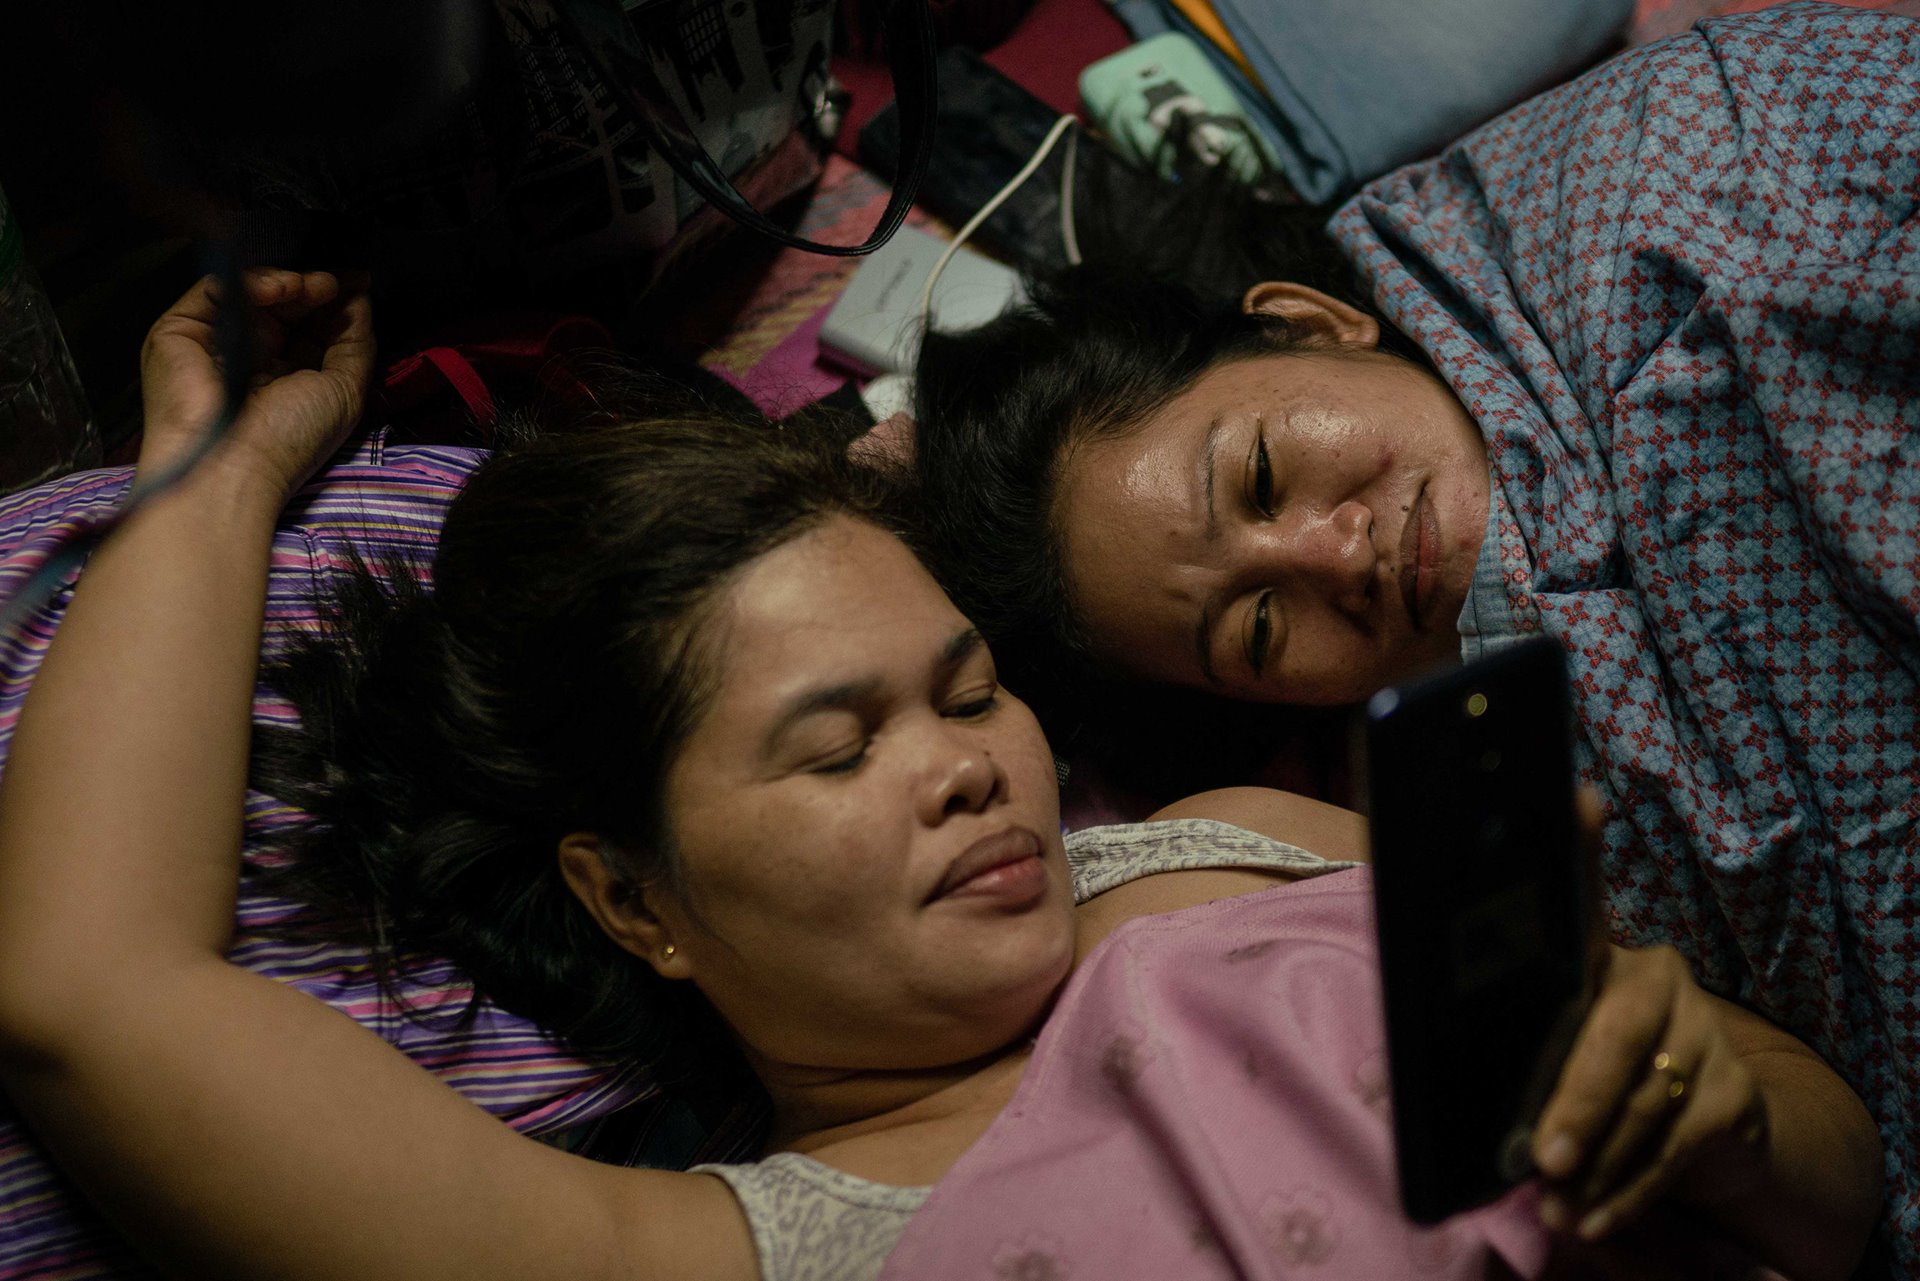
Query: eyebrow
1203	646
851	695
959	648
844	697
1202	638
1208	448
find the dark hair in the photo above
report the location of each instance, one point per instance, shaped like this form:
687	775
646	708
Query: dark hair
544	685
1094	350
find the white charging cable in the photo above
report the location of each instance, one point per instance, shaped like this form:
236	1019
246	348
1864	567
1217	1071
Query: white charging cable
923	306
1069	239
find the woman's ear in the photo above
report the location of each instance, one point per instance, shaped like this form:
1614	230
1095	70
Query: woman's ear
1322	315
627	912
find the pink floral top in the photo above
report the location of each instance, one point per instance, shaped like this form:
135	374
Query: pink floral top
1208	1100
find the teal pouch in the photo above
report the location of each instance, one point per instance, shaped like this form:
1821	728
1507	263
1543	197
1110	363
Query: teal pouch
1139	97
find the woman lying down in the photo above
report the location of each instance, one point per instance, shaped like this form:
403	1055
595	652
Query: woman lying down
697	724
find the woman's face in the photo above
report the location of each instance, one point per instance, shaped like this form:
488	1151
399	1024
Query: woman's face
1299	529
869	825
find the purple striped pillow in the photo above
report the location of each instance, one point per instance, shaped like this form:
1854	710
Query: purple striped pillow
380	499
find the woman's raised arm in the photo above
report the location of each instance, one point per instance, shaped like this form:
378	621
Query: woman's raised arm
120	814
230	1125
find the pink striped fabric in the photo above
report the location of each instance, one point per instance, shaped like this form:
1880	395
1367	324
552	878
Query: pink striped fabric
379	499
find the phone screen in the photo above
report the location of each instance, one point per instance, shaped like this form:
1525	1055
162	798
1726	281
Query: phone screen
1481	910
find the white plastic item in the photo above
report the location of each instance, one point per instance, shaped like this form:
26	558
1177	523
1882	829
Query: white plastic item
874	328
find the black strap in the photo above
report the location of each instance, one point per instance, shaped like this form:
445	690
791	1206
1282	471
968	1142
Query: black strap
617	53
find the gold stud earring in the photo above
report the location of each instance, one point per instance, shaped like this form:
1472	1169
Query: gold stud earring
666	953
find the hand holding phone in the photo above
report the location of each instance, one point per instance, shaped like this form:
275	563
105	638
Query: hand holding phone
1654	1099
1519	1042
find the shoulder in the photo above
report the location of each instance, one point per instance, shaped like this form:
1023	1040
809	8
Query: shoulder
1208	847
809	1219
1335	834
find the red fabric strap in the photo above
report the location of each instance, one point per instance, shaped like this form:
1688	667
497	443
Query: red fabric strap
470	386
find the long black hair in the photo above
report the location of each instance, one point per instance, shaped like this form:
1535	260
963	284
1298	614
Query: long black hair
544	685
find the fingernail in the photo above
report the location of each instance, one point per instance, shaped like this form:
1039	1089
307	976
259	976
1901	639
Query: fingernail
1558	1155
1595	1225
1553	1213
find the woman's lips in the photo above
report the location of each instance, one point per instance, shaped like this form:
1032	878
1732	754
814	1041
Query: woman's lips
1419	559
1005	866
1428	579
1410	557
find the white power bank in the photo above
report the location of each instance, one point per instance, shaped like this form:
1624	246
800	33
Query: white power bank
872	328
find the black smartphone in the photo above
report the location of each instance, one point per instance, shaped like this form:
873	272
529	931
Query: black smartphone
1481	904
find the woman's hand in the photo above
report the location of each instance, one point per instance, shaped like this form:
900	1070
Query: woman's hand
313	352
1672	1093
1654	1101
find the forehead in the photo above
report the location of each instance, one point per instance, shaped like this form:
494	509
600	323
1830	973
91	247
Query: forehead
1132	521
1150	479
1159	463
838	602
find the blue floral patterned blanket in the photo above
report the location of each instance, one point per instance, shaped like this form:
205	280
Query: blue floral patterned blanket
1681	296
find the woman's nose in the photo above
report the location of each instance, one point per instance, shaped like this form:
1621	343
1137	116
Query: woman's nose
1329	552
961	777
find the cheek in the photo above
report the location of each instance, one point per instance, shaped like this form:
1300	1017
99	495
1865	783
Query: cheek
786	863
1330	664
1021	746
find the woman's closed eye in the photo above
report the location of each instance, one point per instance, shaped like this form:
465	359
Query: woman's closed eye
844	760
973	706
835	740
847	758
